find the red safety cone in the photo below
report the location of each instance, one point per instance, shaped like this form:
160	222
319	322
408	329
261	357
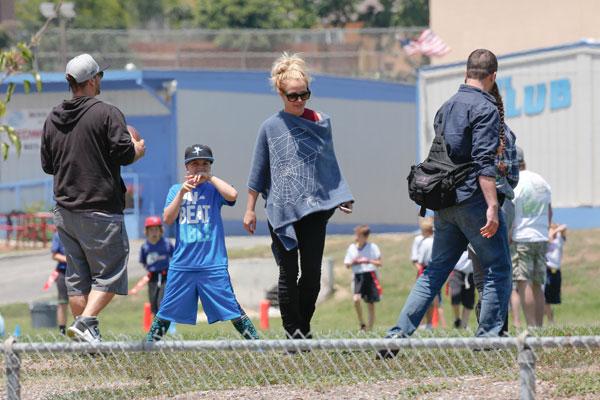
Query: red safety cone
264	314
435	318
147	316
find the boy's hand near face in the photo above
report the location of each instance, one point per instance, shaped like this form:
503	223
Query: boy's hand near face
188	184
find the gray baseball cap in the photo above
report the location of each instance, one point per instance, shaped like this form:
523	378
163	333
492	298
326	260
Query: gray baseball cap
83	68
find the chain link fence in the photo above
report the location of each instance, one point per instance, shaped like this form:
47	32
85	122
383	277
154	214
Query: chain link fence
369	53
337	365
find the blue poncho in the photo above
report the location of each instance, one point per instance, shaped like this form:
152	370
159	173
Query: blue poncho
295	169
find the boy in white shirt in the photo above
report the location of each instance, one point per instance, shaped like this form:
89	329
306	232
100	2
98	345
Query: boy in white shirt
557	238
364	258
462	290
414	250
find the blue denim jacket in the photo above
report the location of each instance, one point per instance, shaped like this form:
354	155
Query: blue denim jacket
471	131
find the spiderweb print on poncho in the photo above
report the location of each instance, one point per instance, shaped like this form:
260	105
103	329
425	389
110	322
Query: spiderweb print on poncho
292	167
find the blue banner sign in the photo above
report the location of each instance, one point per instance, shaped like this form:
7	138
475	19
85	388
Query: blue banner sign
556	94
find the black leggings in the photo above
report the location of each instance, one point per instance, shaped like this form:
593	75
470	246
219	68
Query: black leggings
297	297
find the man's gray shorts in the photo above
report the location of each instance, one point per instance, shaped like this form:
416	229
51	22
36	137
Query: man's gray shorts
97	249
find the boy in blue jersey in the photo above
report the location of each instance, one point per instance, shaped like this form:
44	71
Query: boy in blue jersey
198	268
155	255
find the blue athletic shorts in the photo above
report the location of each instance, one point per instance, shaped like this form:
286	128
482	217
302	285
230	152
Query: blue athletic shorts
212	286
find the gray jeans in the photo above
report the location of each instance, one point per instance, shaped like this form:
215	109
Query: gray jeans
97	250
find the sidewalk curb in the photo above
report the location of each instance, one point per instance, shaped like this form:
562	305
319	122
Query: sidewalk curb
24	253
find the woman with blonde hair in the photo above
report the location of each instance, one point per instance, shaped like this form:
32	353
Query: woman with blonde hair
295	169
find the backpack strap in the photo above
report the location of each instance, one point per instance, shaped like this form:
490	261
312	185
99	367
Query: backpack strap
443	116
422	211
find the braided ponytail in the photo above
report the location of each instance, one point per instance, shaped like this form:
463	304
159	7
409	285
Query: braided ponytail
502	147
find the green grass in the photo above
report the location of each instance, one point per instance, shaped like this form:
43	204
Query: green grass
572	372
580	295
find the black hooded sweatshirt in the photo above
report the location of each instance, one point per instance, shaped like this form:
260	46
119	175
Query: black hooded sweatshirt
84	144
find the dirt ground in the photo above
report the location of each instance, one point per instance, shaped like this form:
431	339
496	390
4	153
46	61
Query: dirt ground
471	388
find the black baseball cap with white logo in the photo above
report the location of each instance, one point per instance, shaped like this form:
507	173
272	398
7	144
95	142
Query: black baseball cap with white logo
198	152
83	68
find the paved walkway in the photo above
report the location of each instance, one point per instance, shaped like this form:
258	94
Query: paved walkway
23	273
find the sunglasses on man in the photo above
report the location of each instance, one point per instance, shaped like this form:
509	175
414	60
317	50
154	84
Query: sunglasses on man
295	96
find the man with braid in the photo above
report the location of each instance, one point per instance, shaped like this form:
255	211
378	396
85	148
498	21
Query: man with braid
471	127
506	180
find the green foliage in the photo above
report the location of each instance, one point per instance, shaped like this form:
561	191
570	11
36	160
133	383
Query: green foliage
229	14
336	12
105	14
397	13
145	13
180	15
274	14
28	14
255	14
90	14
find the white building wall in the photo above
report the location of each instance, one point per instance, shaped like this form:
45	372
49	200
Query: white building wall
561	144
595	125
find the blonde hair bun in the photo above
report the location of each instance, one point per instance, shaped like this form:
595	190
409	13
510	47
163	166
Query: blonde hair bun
286	67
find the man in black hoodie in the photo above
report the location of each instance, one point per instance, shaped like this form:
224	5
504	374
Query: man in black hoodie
84	144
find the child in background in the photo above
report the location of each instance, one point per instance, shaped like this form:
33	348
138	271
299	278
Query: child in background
58	255
462	290
198	268
414	250
364	258
423	258
557	235
155	255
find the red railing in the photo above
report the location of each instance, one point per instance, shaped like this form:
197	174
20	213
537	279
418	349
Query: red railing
26	229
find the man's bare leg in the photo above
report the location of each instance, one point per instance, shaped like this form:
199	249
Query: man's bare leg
96	302
515	306
77	304
527	302
539	302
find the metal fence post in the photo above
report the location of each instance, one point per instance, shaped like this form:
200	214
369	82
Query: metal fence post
13	365
526	361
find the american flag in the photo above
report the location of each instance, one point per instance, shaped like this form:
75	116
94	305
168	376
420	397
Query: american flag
428	44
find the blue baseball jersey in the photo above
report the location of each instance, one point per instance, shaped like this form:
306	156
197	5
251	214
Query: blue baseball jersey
57	247
156	257
199	234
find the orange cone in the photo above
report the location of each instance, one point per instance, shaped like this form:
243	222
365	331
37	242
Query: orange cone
435	318
264	314
147	316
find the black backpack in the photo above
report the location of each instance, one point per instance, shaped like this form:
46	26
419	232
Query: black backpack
432	184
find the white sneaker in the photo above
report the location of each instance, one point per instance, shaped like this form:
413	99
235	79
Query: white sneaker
85	329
